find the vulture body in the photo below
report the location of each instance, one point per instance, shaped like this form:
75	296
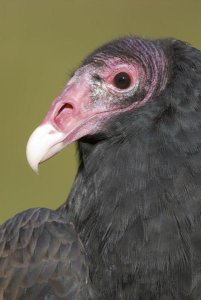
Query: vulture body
131	227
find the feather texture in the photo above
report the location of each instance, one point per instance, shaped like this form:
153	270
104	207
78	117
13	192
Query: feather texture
136	200
41	257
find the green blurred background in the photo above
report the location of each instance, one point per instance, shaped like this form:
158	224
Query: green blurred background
41	42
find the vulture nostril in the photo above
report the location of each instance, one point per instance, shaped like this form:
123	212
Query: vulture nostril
63	114
66	107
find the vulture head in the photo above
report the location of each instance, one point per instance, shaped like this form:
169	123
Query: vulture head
123	87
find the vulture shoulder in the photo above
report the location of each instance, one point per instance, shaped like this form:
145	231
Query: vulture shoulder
41	257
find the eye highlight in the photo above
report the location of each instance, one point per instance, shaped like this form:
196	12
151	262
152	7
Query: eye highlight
122	81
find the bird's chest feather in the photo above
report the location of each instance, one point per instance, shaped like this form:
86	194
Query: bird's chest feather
146	254
138	215
137	233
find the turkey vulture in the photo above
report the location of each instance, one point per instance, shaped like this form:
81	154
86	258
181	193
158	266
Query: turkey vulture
131	227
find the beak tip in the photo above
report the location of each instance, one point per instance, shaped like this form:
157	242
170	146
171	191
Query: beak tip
41	143
32	155
32	163
35	169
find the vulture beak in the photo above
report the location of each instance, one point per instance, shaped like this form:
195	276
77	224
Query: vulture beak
71	116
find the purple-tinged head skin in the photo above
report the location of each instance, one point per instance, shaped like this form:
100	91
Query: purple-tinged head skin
143	53
120	76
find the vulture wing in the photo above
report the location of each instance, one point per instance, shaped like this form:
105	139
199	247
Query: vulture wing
41	257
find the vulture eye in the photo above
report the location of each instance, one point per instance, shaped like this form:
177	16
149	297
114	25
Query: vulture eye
122	81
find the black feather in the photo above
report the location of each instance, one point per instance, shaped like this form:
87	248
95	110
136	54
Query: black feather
136	200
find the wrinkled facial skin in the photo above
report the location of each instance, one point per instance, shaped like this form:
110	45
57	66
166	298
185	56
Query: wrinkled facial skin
92	89
99	82
93	86
96	92
103	89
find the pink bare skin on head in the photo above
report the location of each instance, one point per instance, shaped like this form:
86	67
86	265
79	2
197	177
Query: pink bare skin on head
80	100
94	94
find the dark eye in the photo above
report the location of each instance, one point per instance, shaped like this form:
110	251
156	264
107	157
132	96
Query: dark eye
122	81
